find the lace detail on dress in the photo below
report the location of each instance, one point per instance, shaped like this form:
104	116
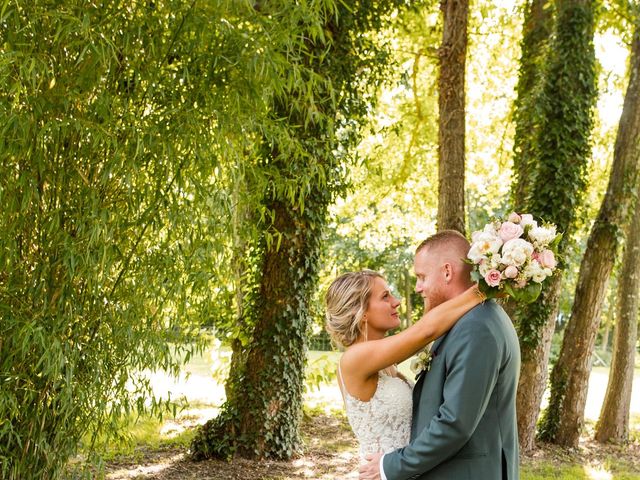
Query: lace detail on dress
383	423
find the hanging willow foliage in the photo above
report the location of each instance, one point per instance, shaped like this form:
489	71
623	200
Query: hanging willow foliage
110	146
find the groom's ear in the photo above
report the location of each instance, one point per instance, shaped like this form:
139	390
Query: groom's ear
447	271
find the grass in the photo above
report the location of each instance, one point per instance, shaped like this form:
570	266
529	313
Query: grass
330	449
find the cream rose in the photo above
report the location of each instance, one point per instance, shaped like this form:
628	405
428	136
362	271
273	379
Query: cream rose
516	252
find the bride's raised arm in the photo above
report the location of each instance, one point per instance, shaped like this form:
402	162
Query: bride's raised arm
367	358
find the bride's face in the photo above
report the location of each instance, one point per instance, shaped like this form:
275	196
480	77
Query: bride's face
382	313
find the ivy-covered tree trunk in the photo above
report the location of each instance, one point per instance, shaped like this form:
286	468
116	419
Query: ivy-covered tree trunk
613	425
301	165
262	415
537	27
451	101
533	371
560	153
570	377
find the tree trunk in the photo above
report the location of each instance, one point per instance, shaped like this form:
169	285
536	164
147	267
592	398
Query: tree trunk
570	376
451	101
613	425
301	174
265	406
537	28
614	417
561	150
534	371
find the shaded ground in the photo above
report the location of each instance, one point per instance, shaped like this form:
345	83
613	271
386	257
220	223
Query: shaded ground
330	452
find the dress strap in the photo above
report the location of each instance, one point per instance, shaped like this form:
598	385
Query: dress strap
344	388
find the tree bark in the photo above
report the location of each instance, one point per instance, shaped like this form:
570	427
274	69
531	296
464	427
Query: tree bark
614	417
534	371
537	26
451	102
613	425
570	376
560	152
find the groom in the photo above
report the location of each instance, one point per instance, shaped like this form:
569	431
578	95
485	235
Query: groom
464	407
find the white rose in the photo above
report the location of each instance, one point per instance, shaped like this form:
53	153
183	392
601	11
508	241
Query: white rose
488	243
535	272
516	252
484	268
495	261
542	236
527	219
490	228
474	254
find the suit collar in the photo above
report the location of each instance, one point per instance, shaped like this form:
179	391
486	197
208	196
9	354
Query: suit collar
436	345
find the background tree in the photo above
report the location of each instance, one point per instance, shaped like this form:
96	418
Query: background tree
562	151
571	374
537	28
613	425
536	31
323	91
451	124
563	418
103	233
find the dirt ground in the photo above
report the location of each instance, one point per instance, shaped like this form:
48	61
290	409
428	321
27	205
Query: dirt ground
330	452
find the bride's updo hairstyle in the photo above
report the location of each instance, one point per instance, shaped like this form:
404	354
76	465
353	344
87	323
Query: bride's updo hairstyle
347	301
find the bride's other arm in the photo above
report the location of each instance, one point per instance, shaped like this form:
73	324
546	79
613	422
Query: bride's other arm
367	358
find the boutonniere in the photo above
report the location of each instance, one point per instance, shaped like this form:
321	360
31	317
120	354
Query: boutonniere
422	362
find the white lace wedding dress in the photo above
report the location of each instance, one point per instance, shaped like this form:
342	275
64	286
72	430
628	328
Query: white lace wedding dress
382	423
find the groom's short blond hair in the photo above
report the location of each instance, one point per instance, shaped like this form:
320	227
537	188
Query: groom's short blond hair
451	239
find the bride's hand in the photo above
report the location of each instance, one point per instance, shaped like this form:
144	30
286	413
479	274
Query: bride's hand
476	290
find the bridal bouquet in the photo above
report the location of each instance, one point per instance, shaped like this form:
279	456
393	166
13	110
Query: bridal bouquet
514	257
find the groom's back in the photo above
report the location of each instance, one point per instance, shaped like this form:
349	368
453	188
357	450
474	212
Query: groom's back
474	372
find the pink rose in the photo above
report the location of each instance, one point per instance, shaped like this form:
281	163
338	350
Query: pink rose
514	217
511	272
493	278
547	259
509	231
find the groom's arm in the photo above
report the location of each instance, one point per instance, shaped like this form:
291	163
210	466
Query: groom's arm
473	363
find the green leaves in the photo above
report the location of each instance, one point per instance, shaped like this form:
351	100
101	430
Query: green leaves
106	220
528	294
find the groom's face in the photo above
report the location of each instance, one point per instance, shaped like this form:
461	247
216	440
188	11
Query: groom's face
430	281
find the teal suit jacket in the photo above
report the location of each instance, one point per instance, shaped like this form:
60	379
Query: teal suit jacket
464	408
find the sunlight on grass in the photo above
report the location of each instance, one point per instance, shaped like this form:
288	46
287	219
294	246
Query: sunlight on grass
140	471
597	473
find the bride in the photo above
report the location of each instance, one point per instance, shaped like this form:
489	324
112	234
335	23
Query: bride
378	398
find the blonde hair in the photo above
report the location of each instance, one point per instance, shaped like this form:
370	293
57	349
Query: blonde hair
347	301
